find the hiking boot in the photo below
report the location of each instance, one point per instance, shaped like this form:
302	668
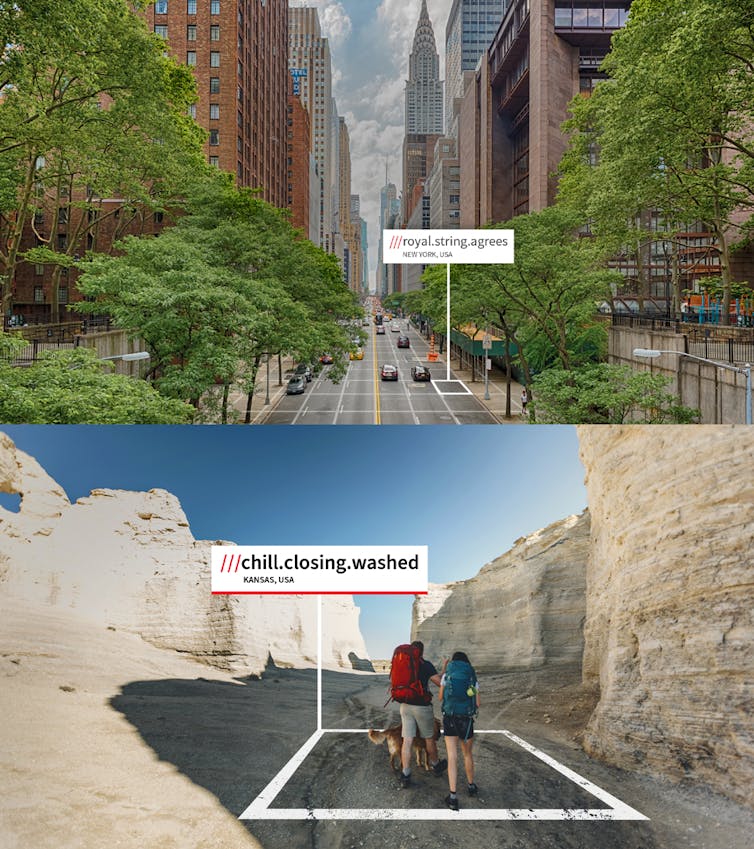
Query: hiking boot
451	802
473	789
405	781
440	767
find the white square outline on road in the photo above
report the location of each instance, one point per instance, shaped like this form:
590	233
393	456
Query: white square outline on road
438	389
260	808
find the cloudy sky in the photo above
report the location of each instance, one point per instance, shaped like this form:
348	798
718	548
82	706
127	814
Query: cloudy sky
370	41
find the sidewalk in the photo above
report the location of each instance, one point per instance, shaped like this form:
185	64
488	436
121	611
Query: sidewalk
497	390
259	410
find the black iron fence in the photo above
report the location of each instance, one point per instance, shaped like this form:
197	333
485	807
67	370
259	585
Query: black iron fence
35	348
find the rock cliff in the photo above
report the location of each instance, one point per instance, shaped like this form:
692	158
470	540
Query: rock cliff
670	619
521	611
128	560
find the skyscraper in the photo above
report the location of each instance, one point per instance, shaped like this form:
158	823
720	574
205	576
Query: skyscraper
424	86
471	27
309	63
423	109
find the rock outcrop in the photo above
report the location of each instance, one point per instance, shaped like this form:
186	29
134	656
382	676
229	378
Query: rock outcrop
128	560
669	632
521	611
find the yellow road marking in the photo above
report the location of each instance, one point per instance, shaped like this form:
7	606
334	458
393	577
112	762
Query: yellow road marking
376	379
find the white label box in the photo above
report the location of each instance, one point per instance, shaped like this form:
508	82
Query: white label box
401	247
373	569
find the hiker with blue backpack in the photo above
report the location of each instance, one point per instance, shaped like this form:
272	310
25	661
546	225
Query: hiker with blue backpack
459	699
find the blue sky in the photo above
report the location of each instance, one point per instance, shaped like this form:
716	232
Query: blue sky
466	492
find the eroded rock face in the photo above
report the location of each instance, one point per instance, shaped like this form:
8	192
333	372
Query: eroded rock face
128	560
522	611
670	604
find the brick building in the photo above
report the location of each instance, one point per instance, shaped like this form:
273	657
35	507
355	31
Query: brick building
299	177
238	53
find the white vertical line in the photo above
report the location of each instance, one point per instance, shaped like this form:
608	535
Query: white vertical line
447	326
319	663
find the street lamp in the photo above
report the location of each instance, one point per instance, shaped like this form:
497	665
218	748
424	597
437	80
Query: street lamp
128	358
651	353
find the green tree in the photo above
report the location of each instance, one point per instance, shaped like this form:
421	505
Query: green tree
230	283
673	129
92	108
602	393
74	387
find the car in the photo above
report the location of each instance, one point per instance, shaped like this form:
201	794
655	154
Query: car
365	322
395	327
305	371
420	373
389	372
358	354
380	330
403	341
296	385
326	359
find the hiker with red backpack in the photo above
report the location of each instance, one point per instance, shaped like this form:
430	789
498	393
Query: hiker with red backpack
410	675
459	698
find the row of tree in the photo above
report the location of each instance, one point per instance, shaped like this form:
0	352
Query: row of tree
666	140
92	108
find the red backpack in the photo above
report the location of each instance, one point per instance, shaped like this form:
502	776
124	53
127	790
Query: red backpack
405	683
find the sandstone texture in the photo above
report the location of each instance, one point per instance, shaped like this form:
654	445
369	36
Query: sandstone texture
128	560
670	601
522	611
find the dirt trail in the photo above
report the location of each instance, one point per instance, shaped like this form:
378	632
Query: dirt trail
108	742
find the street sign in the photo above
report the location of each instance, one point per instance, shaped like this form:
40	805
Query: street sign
487	342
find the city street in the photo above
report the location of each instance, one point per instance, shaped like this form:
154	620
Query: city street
363	398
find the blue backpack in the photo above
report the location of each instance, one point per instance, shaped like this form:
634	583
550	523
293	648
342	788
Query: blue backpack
459	693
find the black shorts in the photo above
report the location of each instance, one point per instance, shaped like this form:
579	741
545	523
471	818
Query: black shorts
458	726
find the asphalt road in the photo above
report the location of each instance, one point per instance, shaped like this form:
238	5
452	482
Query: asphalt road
363	398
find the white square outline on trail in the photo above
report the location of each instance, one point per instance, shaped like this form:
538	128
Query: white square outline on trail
464	389
260	809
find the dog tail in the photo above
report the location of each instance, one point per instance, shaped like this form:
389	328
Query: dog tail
376	736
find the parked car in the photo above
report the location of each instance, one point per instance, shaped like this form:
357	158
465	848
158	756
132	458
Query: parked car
420	373
326	359
305	370
403	341
389	372
296	385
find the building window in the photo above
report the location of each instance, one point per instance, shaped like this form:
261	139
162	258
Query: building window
63	295
214	85
214	7
454	199
190	7
161	30
214	32
39	270
191	32
39	219
214	59
192	111
158	217
214	137
39	295
191	58
214	160
161	7
62	241
214	111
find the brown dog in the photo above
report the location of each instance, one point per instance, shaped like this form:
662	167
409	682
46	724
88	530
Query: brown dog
395	741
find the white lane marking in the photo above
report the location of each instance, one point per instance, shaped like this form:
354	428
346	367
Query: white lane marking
339	405
259	809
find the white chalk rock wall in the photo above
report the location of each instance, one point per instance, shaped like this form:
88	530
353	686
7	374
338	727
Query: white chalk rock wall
669	633
521	611
128	560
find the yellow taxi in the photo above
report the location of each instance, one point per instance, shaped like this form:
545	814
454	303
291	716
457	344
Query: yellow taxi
358	354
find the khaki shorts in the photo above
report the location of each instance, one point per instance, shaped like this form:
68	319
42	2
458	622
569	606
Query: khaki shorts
420	717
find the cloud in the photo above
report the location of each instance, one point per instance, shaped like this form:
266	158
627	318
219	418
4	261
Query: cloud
334	20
